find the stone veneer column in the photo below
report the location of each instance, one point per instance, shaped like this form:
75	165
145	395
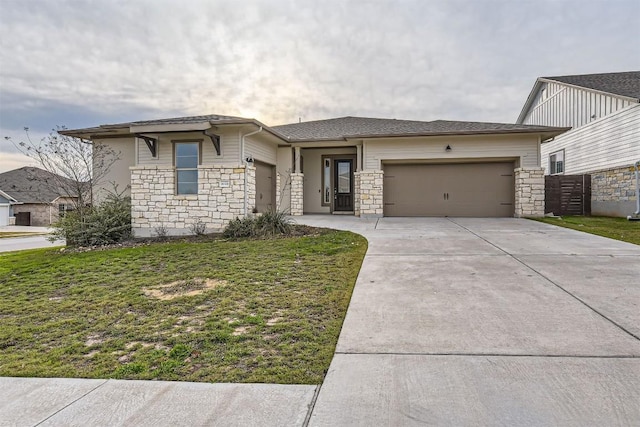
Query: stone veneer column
529	192
297	194
278	192
371	182
356	193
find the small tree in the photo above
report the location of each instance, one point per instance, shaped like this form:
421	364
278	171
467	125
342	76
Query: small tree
76	166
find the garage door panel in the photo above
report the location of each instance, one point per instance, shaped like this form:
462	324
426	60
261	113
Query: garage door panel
474	189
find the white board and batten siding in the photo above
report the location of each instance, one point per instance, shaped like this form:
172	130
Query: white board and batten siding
610	142
557	104
524	149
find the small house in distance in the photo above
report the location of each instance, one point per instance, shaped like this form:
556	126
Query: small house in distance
35	196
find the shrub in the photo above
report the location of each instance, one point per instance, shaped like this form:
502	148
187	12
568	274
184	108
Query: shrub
240	227
109	222
161	232
270	223
198	228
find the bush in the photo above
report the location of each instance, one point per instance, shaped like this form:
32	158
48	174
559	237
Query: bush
268	224
109	222
240	227
272	223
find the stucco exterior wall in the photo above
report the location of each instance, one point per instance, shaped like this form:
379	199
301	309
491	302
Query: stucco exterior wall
118	173
284	168
220	199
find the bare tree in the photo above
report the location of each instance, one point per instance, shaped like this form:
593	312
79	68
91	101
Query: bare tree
75	166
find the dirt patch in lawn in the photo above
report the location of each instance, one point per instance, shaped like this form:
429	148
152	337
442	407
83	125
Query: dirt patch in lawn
183	288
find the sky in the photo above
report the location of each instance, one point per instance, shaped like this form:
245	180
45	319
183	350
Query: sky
85	63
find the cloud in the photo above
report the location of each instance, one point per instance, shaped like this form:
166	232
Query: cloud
82	63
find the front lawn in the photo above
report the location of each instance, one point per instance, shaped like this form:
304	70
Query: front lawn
614	228
210	310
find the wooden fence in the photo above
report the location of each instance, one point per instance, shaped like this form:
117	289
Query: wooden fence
567	194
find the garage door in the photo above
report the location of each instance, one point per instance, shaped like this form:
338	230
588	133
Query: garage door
469	189
265	187
4	215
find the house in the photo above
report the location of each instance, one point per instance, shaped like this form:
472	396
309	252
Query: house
213	168
603	112
6	209
35	196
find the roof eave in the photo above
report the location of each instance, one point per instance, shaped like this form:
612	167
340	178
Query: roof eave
529	101
551	131
602	92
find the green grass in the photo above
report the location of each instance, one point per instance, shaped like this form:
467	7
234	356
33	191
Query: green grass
614	228
271	310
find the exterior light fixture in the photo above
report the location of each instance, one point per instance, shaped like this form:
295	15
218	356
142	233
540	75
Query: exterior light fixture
448	149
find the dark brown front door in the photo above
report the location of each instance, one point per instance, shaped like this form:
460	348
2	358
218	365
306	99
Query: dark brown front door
343	186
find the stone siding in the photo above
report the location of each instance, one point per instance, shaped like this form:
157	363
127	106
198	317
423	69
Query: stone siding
356	193
613	192
220	198
529	192
370	193
614	185
297	193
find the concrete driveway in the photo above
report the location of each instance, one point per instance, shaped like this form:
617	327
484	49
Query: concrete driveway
486	322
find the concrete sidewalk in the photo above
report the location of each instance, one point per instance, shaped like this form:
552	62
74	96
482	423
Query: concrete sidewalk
78	402
459	322
468	322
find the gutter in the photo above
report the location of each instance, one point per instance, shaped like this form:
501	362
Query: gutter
245	161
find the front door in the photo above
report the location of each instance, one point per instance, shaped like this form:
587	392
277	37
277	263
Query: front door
343	186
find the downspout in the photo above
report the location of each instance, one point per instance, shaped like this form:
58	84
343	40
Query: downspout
636	214
246	164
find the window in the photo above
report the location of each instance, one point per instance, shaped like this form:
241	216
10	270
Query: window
61	210
556	162
326	181
186	161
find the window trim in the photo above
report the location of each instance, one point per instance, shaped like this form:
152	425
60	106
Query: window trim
174	143
553	171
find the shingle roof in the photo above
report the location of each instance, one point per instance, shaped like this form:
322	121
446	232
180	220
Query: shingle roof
345	127
623	84
179	120
31	185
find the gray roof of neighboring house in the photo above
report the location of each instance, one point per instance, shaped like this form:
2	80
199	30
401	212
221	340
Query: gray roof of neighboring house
354	127
31	185
623	84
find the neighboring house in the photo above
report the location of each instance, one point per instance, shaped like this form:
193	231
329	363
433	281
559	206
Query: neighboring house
37	197
603	111
214	168
6	209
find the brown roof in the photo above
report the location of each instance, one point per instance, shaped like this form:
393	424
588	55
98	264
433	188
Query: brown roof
623	84
358	127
